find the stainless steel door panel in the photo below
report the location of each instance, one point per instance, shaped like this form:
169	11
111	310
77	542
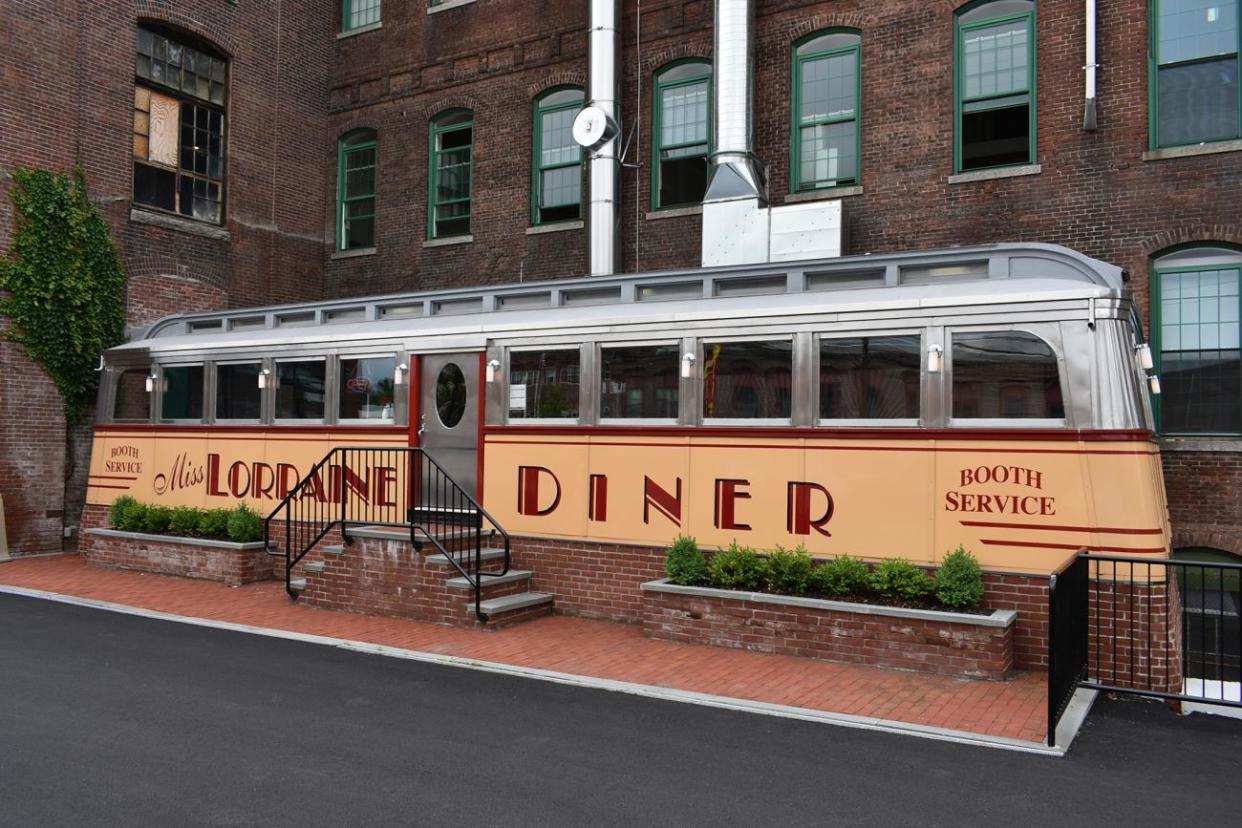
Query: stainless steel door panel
449	409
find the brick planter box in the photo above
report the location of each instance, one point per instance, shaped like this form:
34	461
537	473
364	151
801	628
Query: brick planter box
233	563
948	643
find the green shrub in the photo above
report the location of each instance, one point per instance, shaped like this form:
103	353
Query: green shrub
214	523
789	570
158	518
184	522
959	583
685	563
899	580
116	515
133	519
245	525
738	567
840	576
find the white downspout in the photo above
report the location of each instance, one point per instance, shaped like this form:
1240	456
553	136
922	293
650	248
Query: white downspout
1089	117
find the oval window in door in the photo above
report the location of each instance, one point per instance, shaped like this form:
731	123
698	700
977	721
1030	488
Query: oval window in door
450	395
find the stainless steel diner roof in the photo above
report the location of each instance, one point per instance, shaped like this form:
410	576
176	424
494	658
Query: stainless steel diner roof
466	318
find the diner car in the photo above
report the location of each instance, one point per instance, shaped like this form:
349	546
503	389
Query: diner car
902	405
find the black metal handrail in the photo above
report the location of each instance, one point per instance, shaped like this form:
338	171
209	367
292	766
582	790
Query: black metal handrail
377	486
1067	638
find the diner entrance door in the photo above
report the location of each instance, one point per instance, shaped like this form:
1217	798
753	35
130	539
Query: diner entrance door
448	425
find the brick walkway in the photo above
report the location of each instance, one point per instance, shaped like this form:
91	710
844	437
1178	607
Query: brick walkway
1015	709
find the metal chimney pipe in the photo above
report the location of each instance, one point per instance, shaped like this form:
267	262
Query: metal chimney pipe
1089	113
603	211
735	172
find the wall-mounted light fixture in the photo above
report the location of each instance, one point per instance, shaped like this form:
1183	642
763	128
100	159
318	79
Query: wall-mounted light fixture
493	365
935	359
264	375
1146	361
1153	382
687	365
398	375
151	378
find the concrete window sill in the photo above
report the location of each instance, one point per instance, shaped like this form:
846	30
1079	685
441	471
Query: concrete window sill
824	195
371	27
1221	445
993	175
448	4
675	212
353	254
183	225
449	241
554	228
1214	148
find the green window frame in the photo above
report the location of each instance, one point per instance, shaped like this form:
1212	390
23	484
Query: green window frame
358	14
1194	72
451	174
1196	306
556	160
357	164
822	65
990	90
683	141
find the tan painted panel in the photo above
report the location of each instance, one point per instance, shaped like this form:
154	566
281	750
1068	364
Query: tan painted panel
164	125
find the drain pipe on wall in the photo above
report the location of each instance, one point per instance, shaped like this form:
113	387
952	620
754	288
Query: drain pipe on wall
1089	117
596	129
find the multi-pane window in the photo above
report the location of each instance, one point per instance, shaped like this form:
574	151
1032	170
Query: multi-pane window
452	148
238	396
682	134
178	134
639	382
826	133
748	380
557	167
1196	297
300	390
356	164
869	377
1195	95
995	84
132	401
366	388
183	392
1005	375
544	384
358	13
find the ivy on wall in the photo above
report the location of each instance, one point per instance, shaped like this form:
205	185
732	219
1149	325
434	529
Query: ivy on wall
61	283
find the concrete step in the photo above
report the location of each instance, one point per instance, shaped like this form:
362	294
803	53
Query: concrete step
511	577
337	549
297	584
493	607
485	556
314	566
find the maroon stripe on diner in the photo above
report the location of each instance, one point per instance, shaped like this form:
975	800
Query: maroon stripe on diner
1104	530
110	477
932	448
1034	434
1160	550
103	486
232	429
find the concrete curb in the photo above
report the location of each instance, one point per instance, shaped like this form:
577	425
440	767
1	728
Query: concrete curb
647	691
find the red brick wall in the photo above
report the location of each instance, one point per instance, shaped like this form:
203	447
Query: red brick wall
1135	632
1205	498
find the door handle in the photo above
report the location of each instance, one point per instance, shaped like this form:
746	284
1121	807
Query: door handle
422	424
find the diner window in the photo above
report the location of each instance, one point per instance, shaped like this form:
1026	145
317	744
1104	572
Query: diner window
1196	305
1005	375
178	134
544	384
747	380
826	130
238	396
357	14
870	377
640	382
682	134
366	388
452	148
1194	72
183	393
356	165
995	84
300	390
131	402
556	193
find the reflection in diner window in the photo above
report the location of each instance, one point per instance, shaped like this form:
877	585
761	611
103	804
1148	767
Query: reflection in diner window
747	380
543	384
1005	375
299	390
237	392
367	388
639	382
132	402
183	392
869	378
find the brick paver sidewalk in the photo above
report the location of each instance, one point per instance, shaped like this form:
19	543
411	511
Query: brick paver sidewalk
1015	709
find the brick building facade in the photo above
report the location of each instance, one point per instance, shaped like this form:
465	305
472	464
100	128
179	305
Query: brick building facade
301	78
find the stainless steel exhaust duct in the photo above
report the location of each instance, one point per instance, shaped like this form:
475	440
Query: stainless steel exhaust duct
735	172
603	212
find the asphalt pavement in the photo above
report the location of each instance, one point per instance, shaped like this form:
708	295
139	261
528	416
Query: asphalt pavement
109	719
